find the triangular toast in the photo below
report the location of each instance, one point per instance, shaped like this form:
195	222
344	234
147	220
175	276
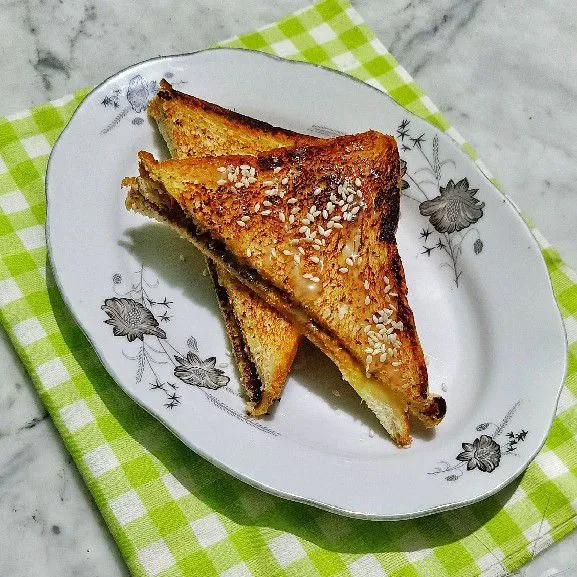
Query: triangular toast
263	342
311	230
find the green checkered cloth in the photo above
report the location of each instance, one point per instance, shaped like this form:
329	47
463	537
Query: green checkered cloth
171	512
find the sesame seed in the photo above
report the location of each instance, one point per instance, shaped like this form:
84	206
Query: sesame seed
387	288
316	247
320	229
315	259
301	250
355	210
338	225
221	181
292	200
248	252
369	359
305	221
396	363
294	241
358	181
337	217
297	258
281	193
315	279
349	261
284	180
267	203
295	209
265	212
367	300
271	192
273	251
256	207
303	229
383	357
344	269
330	224
393	294
238	184
318	241
276	169
281	216
240	223
386	279
367	285
325	214
244	166
245	218
308	276
317	191
268	183
291	218
221	169
287	252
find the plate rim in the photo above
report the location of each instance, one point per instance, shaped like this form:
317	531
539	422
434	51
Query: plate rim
253	482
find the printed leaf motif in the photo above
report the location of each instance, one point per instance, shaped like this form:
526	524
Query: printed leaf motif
478	246
192	344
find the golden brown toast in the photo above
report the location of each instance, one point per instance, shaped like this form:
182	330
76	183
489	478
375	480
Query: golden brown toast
263	342
312	231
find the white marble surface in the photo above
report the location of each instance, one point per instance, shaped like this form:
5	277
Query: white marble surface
504	74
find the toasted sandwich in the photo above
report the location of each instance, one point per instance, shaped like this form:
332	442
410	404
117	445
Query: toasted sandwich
263	342
311	230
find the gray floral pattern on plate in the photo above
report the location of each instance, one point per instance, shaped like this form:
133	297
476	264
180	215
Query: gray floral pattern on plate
136	314
484	453
450	205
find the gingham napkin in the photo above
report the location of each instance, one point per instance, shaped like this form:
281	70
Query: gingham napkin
171	512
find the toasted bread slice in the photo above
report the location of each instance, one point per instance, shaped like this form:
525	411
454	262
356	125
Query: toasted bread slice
263	342
194	127
334	269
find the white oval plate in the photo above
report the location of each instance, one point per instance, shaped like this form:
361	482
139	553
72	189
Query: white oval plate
481	297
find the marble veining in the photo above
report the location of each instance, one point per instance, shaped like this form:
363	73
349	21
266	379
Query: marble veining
504	74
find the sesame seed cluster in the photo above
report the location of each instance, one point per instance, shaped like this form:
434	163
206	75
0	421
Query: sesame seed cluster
315	225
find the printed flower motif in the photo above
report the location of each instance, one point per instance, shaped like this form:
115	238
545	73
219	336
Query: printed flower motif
137	94
455	209
483	454
404	183
130	319
194	371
